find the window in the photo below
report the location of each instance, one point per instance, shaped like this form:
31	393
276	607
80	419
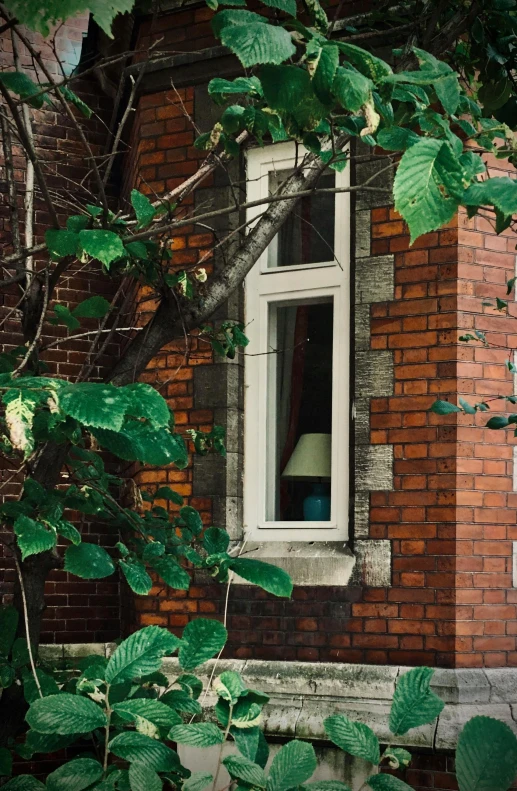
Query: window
297	362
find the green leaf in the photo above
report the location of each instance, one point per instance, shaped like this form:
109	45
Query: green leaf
232	119
325	785
202	734
61	243
247	713
497	422
252	744
289	91
42	16
33	537
153	710
293	764
20	408
289	6
153	550
323	79
179	700
20	652
166	493
75	775
192	519
21	84
241	85
77	222
67	530
88	561
352	89
486	756
65	714
254	41
171	572
136	441
137	250
243	769
142	778
92	308
201	640
271	578
76	100
104	246
140	654
44	743
191	684
6	762
93	404
448	91
197	781
23	783
499	192
47	684
6	675
229	686
146	402
215	540
428	186
414	703
146	751
65	317
8	625
397	757
144	209
467	408
384	782
353	737
370	66
396	138
137	577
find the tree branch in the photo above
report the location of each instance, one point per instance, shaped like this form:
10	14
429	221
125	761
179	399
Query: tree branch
169	319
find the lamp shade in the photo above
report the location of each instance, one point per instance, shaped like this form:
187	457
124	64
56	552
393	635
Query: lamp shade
311	457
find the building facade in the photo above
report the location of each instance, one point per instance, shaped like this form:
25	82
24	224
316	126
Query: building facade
405	553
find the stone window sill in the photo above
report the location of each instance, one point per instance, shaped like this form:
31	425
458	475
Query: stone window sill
329	563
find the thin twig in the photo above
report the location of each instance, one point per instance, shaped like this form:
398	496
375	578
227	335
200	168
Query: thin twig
7	145
66	107
86	334
26	619
28	202
39	328
252	204
31	153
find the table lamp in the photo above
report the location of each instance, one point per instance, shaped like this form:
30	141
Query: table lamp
311	461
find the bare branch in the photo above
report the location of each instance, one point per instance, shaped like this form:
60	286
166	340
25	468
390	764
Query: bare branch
7	145
31	153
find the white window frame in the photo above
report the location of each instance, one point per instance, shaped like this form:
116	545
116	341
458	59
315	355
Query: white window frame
286	284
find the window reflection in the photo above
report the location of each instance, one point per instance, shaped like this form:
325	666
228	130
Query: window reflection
300	411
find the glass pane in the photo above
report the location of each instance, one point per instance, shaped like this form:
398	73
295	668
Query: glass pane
307	236
299	412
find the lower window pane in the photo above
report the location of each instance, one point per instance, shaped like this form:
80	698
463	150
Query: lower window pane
298	481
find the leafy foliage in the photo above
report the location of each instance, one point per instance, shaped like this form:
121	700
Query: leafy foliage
42	17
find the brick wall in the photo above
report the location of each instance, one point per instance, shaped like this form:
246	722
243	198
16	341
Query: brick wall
449	512
77	610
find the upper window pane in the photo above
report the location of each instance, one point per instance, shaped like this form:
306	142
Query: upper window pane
307	236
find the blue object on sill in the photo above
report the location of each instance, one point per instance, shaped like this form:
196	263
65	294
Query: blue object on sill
316	507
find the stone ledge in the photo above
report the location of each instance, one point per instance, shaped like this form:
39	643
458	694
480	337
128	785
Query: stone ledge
303	694
307	562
